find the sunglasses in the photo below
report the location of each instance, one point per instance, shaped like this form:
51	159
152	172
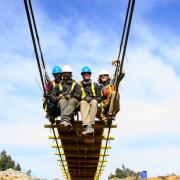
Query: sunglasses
104	75
86	73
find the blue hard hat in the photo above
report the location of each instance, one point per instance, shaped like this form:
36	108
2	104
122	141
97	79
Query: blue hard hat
56	70
85	69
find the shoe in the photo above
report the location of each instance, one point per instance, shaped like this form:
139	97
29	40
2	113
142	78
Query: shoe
84	129
104	119
88	130
66	125
111	114
50	118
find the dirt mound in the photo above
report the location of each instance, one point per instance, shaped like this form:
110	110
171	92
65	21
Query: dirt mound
11	174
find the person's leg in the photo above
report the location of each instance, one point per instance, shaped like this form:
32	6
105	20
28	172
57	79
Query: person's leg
62	104
102	112
93	111
114	104
84	109
72	104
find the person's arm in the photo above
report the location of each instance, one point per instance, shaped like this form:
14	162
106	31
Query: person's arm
77	92
49	87
98	93
54	94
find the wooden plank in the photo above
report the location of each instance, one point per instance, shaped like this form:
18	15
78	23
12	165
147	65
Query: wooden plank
83	161
73	137
82	165
69	154
81	147
96	126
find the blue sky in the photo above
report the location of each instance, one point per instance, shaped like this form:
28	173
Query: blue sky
88	32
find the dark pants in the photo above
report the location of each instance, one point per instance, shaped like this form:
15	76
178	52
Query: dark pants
67	108
53	109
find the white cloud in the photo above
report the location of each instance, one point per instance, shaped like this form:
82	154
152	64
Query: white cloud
149	93
157	162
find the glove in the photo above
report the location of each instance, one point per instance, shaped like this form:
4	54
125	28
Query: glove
67	96
53	98
88	99
65	93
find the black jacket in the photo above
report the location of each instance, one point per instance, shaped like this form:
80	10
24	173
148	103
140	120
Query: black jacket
87	87
66	86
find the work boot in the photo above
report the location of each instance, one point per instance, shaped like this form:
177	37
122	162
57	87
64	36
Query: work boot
104	119
88	130
50	118
111	114
66	125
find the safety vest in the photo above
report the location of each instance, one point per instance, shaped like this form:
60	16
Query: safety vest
84	93
72	86
107	90
53	83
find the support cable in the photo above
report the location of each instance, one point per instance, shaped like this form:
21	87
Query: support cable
38	59
34	45
129	13
59	150
37	37
122	40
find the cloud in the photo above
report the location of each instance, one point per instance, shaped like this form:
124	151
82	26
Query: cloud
149	92
157	161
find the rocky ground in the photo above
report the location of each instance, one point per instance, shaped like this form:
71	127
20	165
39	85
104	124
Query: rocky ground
11	174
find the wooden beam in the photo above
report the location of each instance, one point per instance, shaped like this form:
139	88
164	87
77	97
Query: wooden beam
78	125
82	165
75	148
83	161
69	154
75	138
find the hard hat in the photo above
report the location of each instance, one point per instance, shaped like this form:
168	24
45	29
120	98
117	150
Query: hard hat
67	68
56	70
85	69
103	71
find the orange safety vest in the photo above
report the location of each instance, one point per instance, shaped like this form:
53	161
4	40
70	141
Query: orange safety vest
107	90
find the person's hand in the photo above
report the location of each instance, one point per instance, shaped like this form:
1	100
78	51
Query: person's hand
65	93
67	96
88	99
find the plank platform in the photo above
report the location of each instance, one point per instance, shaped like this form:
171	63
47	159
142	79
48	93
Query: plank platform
80	156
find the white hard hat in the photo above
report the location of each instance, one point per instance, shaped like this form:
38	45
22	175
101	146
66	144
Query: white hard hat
103	71
67	68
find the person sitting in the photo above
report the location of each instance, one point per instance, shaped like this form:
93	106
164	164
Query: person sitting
90	98
51	106
69	95
109	105
57	74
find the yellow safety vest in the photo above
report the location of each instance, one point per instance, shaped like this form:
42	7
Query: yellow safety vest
53	83
72	87
84	93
